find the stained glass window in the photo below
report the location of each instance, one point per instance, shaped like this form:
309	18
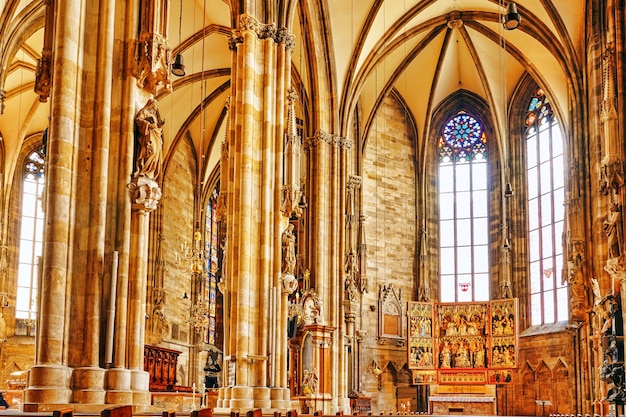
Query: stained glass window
211	247
463	211
31	242
545	176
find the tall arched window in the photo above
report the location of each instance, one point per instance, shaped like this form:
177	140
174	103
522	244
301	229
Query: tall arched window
544	150
463	211
31	241
211	247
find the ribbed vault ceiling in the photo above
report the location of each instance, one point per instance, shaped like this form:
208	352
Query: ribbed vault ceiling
362	49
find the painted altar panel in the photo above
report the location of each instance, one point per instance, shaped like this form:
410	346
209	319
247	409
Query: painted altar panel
462	343
504	333
421	342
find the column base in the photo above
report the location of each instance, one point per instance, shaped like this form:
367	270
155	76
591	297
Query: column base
88	385
223	397
261	398
118	386
241	399
281	399
139	385
48	384
343	404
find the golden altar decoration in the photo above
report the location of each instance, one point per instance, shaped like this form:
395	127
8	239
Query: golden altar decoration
463	343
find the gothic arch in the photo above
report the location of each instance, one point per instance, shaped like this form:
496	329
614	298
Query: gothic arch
478	108
14	211
563	391
527	388
26	23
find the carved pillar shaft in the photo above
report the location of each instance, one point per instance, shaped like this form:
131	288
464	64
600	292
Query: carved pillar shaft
99	178
49	378
88	385
242	164
125	94
319	149
137	301
289	285
145	195
253	260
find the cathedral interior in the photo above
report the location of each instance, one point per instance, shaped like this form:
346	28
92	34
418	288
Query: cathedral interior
343	206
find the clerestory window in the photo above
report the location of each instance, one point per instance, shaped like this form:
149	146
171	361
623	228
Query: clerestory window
31	242
545	178
463	211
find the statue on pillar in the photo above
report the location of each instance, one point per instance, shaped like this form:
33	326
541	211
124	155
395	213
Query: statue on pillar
613	231
150	136
351	270
289	251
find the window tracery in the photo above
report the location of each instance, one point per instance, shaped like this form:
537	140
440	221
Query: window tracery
463	210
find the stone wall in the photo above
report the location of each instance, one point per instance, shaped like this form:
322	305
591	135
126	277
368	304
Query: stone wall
389	207
547	373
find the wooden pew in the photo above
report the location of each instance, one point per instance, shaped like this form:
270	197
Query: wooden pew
254	413
121	411
203	412
64	412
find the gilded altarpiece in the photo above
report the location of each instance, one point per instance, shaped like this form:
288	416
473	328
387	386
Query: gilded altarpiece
463	343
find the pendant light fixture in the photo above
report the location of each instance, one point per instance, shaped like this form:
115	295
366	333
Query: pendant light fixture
512	18
178	66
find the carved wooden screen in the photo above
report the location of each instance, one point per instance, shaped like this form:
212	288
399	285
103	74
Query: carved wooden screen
463	343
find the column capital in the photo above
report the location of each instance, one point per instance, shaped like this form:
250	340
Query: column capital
355	181
288	39
324	137
345	143
144	193
248	23
289	283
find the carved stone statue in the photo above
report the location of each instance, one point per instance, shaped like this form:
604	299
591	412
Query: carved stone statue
350	289
310	381
150	155
613	231
351	269
289	251
312	309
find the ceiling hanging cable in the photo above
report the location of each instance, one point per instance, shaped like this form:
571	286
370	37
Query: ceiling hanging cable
178	66
200	181
508	189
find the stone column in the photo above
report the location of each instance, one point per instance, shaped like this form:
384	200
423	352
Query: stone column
318	149
243	234
289	285
145	195
252	257
88	378
123	105
49	378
